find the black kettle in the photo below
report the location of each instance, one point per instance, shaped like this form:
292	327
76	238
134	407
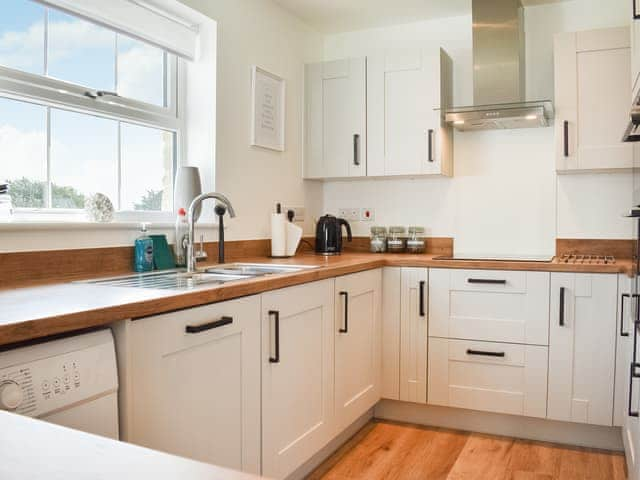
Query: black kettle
329	235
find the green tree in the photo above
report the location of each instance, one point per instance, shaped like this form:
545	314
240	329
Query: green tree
152	200
26	193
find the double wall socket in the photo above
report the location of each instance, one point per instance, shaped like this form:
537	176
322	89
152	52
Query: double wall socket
357	214
298	212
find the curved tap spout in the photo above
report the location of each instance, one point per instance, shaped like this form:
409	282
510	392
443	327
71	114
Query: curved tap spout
191	260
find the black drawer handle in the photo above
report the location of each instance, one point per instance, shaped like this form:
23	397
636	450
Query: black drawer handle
421	312
565	135
276	318
562	307
632	375
356	150
346	312
622	297
488	281
208	326
484	354
430	134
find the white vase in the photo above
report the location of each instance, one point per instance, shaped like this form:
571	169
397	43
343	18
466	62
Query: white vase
187	187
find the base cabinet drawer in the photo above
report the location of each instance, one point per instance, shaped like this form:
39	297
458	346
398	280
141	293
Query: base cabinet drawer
488	376
489	305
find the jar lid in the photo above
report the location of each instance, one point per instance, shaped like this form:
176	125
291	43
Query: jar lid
378	230
416	230
396	229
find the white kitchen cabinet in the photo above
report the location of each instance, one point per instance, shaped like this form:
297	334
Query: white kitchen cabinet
413	335
297	375
489	305
195	383
582	347
391	288
624	344
592	92
357	345
335	119
627	403
487	376
407	94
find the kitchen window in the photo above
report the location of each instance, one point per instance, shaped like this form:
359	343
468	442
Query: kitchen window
85	109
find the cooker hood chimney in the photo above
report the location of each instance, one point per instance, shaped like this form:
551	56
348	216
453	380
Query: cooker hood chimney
499	72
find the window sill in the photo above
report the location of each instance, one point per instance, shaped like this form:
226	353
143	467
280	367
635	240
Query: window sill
33	225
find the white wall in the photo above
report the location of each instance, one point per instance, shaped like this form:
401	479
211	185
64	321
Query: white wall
505	196
259	32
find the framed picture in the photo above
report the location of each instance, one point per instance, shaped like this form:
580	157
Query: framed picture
267	110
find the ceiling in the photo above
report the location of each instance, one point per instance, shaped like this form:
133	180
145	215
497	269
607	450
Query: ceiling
334	16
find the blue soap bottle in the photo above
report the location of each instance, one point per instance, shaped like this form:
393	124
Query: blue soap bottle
143	254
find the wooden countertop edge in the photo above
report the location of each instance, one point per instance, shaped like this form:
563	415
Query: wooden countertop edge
29	329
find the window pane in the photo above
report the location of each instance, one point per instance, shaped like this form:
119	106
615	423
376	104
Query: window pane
81	52
84	158
23	152
22	36
140	71
147	168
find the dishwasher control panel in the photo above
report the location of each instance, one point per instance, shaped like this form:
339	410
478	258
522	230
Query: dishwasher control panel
55	378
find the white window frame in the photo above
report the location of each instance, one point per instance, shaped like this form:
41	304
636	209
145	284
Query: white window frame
50	92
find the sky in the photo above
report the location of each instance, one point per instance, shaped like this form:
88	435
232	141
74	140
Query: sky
83	147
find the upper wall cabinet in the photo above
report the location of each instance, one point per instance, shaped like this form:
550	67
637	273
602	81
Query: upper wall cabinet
592	91
407	93
335	119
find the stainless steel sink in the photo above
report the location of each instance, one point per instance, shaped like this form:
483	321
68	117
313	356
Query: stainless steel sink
181	280
257	269
169	280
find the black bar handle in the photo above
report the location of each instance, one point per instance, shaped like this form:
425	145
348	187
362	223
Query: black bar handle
484	354
490	281
562	307
276	317
632	375
565	137
209	325
346	312
356	149
635	10
430	135
421	312
622	297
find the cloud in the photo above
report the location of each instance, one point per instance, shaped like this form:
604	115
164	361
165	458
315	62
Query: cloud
22	154
140	71
24	50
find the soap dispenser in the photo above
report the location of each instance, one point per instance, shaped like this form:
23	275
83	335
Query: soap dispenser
143	254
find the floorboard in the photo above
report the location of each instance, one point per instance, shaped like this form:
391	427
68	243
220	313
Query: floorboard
395	451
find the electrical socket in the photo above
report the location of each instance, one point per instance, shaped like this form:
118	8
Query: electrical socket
351	214
299	212
367	214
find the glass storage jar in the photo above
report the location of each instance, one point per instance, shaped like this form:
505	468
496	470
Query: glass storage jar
396	240
378	239
415	242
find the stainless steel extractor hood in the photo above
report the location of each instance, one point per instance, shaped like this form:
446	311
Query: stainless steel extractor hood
499	73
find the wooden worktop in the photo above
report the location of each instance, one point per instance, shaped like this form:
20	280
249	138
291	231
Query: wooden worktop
36	312
36	449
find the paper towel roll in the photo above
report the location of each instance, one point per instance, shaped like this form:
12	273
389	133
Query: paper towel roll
278	235
294	234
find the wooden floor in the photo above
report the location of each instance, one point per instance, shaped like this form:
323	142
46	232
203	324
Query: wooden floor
384	450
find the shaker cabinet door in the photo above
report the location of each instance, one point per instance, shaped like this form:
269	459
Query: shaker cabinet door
582	347
297	375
